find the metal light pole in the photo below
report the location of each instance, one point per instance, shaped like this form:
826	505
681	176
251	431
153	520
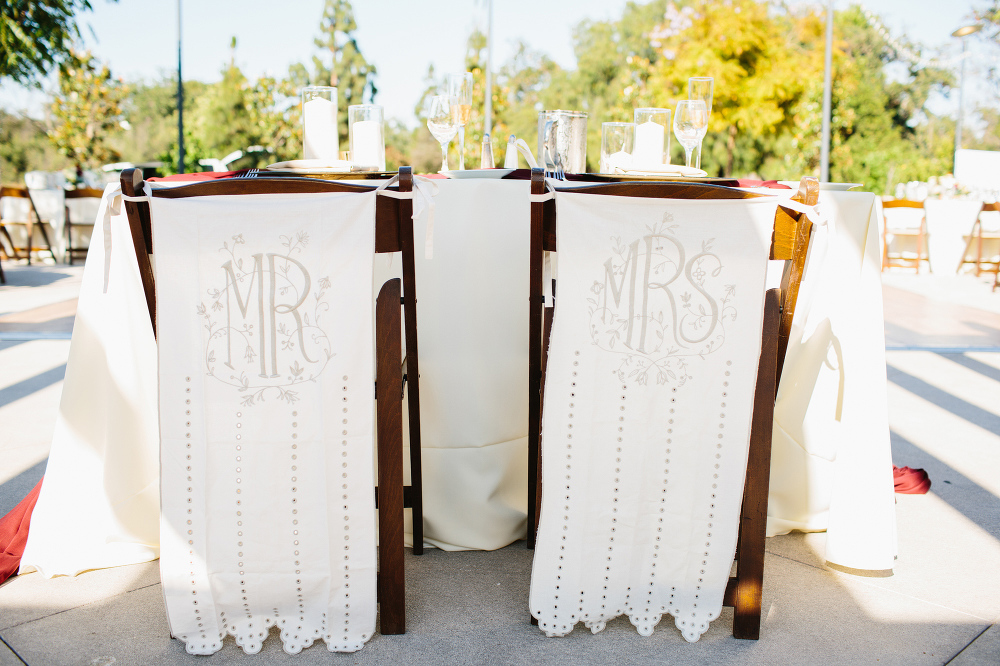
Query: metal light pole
180	97
824	151
488	113
961	33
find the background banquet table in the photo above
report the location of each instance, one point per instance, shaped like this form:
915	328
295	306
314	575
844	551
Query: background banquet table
831	465
949	221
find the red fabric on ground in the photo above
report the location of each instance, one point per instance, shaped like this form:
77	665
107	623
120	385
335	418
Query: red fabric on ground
773	184
910	481
14	534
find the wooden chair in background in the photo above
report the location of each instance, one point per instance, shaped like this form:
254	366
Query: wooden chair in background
977	235
918	233
790	242
393	233
72	196
31	221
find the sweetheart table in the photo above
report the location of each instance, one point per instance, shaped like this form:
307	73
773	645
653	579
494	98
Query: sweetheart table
831	467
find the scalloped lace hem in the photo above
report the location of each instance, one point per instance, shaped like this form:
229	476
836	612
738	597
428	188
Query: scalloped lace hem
691	627
251	637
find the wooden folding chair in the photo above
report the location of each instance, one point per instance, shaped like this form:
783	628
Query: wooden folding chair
78	194
919	234
31	222
789	242
977	235
393	233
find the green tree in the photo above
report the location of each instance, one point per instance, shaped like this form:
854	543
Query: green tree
346	68
24	146
87	111
36	35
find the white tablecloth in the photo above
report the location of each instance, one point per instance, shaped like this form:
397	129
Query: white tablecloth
51	207
948	222
831	465
98	505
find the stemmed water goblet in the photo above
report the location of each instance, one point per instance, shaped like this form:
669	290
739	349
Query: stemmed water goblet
701	87
442	122
690	125
460	87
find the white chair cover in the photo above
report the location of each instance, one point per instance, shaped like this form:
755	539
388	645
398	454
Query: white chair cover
648	401
266	371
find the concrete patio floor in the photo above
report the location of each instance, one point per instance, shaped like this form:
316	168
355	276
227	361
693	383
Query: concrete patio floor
939	605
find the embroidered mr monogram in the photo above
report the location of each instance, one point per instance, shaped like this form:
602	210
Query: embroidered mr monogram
658	304
264	324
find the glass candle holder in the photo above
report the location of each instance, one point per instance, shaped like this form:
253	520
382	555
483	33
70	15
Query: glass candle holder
616	146
320	139
652	137
366	136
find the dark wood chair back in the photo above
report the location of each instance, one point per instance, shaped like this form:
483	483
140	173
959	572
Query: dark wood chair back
789	242
393	233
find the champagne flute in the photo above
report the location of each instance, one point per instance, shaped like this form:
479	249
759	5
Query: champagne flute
701	87
460	87
690	124
442	122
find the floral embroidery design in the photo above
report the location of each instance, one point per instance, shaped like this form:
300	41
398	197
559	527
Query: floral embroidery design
657	307
264	324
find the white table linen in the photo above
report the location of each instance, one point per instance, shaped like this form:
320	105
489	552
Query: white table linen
99	504
51	206
649	396
948	222
473	322
265	339
831	464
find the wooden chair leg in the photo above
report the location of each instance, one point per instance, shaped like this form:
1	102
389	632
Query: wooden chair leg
753	518
31	236
979	251
412	359
10	242
535	313
68	226
389	377
546	334
925	232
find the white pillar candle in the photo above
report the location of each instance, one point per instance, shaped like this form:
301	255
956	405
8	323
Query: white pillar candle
367	144
648	144
319	130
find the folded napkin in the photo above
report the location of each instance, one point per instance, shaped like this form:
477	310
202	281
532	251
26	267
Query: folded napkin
265	344
649	390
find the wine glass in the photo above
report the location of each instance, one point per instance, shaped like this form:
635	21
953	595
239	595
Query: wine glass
690	124
460	87
442	122
701	87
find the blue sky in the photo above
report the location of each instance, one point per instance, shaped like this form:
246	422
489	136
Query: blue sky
138	38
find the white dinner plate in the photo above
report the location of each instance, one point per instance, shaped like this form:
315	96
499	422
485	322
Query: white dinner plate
477	173
831	187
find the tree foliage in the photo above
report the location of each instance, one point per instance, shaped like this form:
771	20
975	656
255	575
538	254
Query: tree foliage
766	58
87	111
345	67
36	35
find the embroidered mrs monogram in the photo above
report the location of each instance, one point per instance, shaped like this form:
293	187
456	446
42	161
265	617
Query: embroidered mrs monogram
659	304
